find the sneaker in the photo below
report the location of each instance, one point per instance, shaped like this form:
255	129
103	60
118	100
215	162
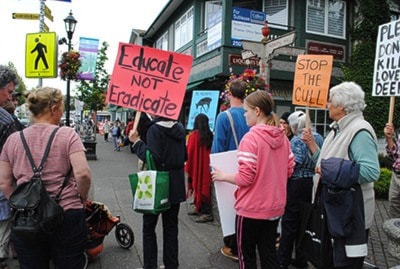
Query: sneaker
204	218
227	252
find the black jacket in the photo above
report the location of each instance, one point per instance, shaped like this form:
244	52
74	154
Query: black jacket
166	141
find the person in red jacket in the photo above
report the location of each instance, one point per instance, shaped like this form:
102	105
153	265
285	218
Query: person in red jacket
197	167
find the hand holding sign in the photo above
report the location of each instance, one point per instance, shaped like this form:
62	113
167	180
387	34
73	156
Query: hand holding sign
149	80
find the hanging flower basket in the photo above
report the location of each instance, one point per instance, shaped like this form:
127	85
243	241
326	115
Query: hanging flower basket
254	83
69	65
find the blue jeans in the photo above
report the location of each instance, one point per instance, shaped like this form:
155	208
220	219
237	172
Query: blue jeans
66	248
170	239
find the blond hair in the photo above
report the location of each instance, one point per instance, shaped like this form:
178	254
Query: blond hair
41	99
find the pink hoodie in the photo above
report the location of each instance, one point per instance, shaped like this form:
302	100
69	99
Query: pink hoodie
265	164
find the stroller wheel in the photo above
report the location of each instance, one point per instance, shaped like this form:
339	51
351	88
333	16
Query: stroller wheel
124	235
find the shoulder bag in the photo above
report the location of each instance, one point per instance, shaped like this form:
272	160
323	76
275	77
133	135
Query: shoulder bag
150	189
35	213
314	239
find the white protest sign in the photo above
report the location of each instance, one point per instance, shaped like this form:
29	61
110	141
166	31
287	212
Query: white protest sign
227	162
386	79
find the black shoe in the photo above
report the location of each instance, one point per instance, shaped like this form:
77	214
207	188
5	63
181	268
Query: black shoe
299	264
204	218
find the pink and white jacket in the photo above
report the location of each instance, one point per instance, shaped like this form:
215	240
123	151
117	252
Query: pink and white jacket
265	164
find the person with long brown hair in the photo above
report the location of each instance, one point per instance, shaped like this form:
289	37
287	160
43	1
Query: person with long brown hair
197	167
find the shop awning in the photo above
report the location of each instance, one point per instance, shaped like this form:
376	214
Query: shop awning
194	84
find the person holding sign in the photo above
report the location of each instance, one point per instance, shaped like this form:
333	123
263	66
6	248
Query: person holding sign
265	163
352	141
166	140
392	150
299	189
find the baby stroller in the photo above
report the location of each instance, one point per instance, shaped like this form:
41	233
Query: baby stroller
100	222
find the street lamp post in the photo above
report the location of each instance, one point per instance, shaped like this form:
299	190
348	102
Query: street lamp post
70	24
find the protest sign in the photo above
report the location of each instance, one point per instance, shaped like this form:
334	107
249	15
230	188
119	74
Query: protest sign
311	80
386	80
149	80
224	191
203	102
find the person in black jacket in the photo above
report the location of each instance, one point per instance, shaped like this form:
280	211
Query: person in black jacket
166	142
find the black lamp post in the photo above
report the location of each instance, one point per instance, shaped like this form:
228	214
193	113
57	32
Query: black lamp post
70	24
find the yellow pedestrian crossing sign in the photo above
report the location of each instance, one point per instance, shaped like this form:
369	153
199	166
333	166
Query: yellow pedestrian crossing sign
41	55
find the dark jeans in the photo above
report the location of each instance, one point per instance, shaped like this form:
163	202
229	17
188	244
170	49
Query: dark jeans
298	192
170	239
65	248
256	234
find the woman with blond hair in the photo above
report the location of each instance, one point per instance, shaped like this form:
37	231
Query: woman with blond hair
66	158
265	162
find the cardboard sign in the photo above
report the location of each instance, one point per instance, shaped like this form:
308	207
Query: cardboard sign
387	61
149	80
205	102
311	80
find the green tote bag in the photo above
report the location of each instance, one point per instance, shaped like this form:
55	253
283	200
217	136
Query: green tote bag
150	189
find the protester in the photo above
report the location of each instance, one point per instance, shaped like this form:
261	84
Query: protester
128	130
166	142
197	167
299	190
8	82
284	121
265	162
352	140
392	150
226	139
106	129
67	154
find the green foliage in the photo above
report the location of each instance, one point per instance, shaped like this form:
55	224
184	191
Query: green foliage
381	186
370	15
93	92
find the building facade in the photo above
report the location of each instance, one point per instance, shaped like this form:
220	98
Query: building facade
216	32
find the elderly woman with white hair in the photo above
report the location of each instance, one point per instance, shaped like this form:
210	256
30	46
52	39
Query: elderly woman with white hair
352	140
299	189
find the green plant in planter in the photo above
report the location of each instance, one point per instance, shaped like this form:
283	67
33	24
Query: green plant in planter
381	186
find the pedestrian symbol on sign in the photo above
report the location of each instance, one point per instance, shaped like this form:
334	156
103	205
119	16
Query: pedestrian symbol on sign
41	50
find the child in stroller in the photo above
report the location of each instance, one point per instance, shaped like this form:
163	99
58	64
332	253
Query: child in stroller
100	222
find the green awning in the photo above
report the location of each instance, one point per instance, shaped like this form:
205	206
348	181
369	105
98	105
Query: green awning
194	84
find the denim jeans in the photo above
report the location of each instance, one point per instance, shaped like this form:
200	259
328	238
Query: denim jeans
66	247
170	239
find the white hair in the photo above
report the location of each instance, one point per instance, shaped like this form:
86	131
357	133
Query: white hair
297	121
348	95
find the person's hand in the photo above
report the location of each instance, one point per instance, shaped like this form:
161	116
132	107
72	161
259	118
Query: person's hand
307	136
216	174
133	136
388	130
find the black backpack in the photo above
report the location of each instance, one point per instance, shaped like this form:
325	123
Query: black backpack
35	213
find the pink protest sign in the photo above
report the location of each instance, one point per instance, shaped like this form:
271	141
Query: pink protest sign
149	80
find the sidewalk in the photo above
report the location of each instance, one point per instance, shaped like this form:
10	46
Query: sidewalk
199	243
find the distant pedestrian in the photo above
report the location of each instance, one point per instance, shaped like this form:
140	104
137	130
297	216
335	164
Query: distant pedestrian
10	106
106	129
116	135
265	162
166	142
198	167
284	121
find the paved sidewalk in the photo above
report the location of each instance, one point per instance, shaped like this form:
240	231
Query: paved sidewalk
199	244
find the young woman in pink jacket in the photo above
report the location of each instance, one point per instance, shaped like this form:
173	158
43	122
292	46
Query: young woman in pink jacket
265	163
